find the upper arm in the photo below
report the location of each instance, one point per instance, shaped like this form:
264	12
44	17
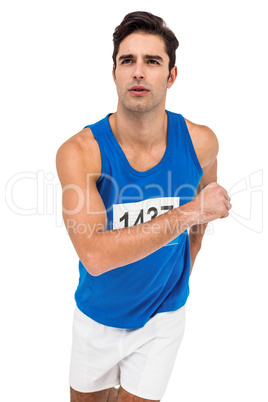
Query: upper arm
209	174
206	147
208	150
78	165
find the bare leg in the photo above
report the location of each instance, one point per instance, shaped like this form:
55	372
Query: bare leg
107	395
125	396
113	395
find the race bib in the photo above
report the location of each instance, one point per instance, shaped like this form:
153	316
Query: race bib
135	213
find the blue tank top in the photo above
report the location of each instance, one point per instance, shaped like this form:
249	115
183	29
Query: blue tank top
127	297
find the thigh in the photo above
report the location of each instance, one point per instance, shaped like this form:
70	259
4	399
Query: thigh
100	396
147	370
125	396
94	359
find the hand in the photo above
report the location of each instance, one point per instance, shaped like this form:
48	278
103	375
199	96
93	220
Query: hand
212	202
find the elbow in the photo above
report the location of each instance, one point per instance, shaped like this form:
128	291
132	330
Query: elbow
93	264
92	270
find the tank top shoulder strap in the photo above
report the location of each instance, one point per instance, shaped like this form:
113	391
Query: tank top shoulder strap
181	139
99	131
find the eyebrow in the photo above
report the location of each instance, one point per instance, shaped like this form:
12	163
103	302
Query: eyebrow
147	57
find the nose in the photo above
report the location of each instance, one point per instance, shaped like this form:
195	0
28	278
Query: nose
138	76
138	73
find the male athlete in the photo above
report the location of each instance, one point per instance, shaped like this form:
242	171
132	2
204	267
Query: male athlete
139	188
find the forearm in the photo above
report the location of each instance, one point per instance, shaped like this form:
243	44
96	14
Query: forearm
196	234
102	250
111	249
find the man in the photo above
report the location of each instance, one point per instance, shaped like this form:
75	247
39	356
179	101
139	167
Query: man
134	184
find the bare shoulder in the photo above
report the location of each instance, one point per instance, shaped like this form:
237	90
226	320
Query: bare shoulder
78	154
205	142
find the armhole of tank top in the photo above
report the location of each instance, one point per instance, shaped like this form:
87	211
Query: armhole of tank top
102	153
190	145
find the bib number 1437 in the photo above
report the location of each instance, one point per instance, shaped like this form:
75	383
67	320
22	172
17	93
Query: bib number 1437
135	213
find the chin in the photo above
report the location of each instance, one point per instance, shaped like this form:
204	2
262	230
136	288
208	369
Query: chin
138	107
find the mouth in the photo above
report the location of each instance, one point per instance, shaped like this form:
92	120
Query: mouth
138	90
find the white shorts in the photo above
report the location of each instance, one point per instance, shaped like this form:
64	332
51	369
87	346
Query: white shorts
140	360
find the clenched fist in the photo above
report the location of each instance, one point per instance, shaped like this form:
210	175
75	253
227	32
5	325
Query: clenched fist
211	203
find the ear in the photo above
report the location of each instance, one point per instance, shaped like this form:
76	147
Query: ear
113	73
172	77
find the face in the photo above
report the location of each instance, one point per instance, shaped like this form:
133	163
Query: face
142	74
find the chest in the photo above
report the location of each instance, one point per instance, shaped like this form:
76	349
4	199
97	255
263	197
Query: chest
144	159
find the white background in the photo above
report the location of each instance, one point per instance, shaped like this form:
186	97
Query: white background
56	78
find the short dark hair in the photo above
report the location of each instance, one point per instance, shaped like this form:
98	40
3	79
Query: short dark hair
143	21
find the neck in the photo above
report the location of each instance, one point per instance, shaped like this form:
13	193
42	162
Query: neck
139	129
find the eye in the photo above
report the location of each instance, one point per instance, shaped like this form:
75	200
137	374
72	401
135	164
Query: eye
126	61
153	62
